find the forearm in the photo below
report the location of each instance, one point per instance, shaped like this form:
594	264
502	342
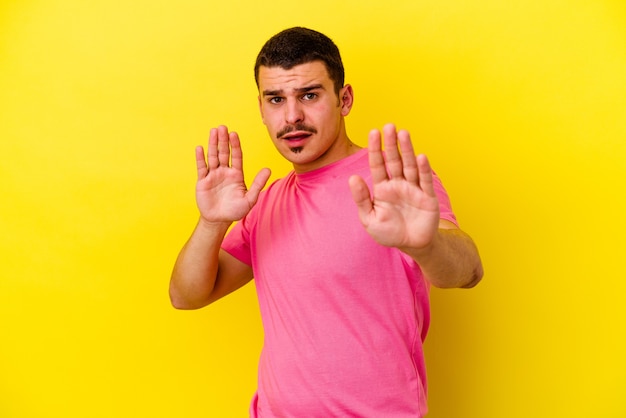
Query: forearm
196	268
451	261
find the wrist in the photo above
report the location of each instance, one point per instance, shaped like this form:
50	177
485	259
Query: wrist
213	226
425	251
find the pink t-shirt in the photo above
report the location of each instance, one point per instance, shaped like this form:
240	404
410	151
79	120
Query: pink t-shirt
344	317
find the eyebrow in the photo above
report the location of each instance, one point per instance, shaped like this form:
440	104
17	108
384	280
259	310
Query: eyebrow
300	90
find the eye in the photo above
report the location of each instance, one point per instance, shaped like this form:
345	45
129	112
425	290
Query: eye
309	96
275	100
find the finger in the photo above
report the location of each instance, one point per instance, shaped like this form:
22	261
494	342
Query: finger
376	160
236	155
223	147
361	196
392	156
409	161
259	182
212	153
201	163
425	176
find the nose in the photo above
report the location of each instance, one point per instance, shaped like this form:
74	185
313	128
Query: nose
293	112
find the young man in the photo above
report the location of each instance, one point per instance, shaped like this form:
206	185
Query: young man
342	250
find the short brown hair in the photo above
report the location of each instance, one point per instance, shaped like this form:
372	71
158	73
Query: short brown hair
300	45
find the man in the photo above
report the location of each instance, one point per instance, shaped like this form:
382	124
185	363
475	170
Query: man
342	273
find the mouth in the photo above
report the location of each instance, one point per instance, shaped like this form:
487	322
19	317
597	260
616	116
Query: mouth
296	135
296	138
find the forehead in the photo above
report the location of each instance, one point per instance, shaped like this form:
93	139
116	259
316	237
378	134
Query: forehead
278	78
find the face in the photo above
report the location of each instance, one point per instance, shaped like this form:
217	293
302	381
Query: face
304	116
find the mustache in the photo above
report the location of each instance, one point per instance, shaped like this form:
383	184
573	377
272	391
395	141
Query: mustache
297	127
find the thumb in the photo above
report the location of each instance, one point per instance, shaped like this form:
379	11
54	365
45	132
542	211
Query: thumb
257	185
361	196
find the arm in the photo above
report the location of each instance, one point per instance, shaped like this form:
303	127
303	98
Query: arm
404	213
203	272
451	260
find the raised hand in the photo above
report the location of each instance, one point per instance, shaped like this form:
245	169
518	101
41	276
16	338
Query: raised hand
221	192
403	211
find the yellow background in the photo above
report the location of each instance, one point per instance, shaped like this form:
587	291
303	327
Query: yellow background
520	106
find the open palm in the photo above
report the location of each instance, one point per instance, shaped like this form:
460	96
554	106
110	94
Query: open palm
403	210
221	192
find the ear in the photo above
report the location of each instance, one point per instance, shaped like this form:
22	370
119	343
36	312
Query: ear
346	99
261	109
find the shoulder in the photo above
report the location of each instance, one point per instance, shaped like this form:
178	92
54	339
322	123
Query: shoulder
279	184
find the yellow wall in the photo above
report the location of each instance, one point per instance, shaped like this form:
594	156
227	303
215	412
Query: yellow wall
520	105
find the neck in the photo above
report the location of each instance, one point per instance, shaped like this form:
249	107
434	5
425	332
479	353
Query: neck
338	152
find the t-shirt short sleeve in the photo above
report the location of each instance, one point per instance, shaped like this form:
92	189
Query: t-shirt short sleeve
445	207
237	241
